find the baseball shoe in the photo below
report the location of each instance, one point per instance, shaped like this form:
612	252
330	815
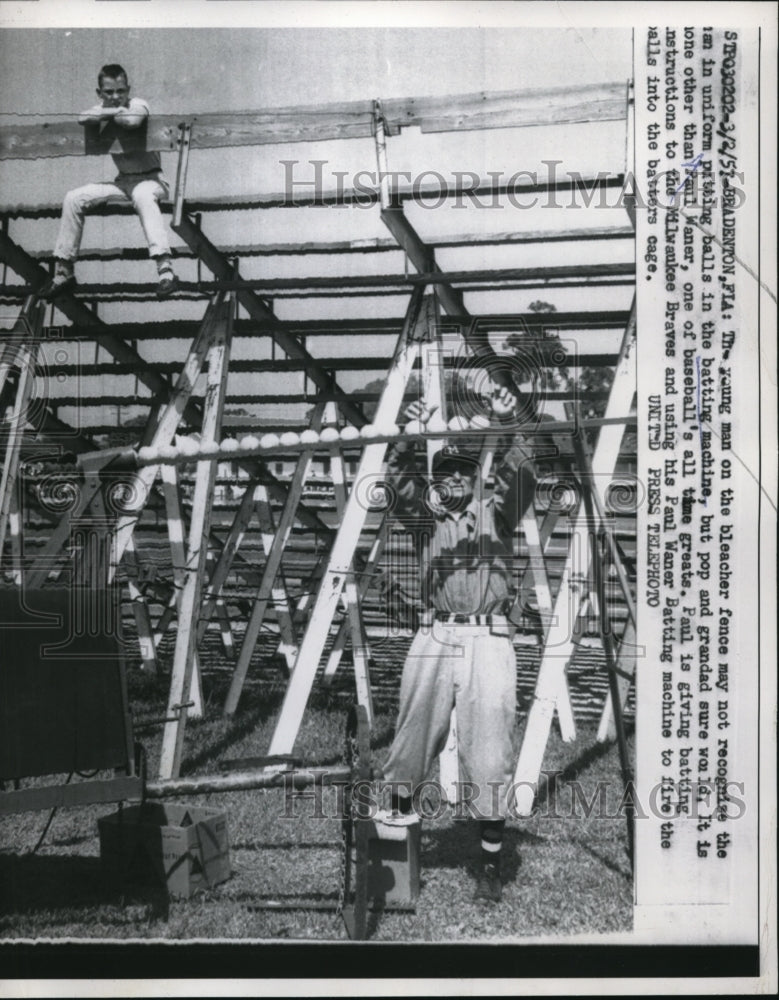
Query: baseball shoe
60	284
488	886
167	285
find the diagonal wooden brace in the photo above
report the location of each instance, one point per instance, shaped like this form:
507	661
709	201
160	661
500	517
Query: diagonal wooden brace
197	548
348	535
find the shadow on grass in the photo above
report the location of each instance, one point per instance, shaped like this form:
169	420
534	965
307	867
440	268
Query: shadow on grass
589	756
607	862
459	846
38	883
238	728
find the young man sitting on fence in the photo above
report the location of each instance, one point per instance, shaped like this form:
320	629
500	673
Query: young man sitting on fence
139	183
462	655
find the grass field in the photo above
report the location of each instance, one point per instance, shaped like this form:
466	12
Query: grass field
565	873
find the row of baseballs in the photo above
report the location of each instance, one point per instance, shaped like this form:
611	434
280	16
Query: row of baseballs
186	447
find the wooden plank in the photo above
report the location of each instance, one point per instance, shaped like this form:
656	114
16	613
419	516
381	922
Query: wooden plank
590	103
423	259
360	651
225	629
483	188
197	548
346	539
363	245
315	123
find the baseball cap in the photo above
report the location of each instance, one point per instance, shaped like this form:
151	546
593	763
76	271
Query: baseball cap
451	457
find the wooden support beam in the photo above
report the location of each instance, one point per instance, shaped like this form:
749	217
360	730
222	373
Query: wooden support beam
197	548
15	536
271	568
315	123
50	557
369	284
360	651
229	550
367	194
223	270
391	326
423	259
225	629
415	329
79	314
365	246
573	589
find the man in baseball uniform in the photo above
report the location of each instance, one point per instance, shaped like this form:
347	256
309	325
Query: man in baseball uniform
462	655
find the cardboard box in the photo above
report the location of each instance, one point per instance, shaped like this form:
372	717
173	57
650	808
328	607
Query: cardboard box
181	847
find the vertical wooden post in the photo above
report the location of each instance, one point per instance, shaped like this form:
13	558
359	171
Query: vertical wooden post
189	606
360	654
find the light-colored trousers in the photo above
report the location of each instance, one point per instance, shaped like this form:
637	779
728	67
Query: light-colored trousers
140	190
472	668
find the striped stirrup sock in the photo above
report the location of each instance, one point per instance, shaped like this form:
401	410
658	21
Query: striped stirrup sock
491	840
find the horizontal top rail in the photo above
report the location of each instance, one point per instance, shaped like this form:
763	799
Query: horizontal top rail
368	194
348	120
